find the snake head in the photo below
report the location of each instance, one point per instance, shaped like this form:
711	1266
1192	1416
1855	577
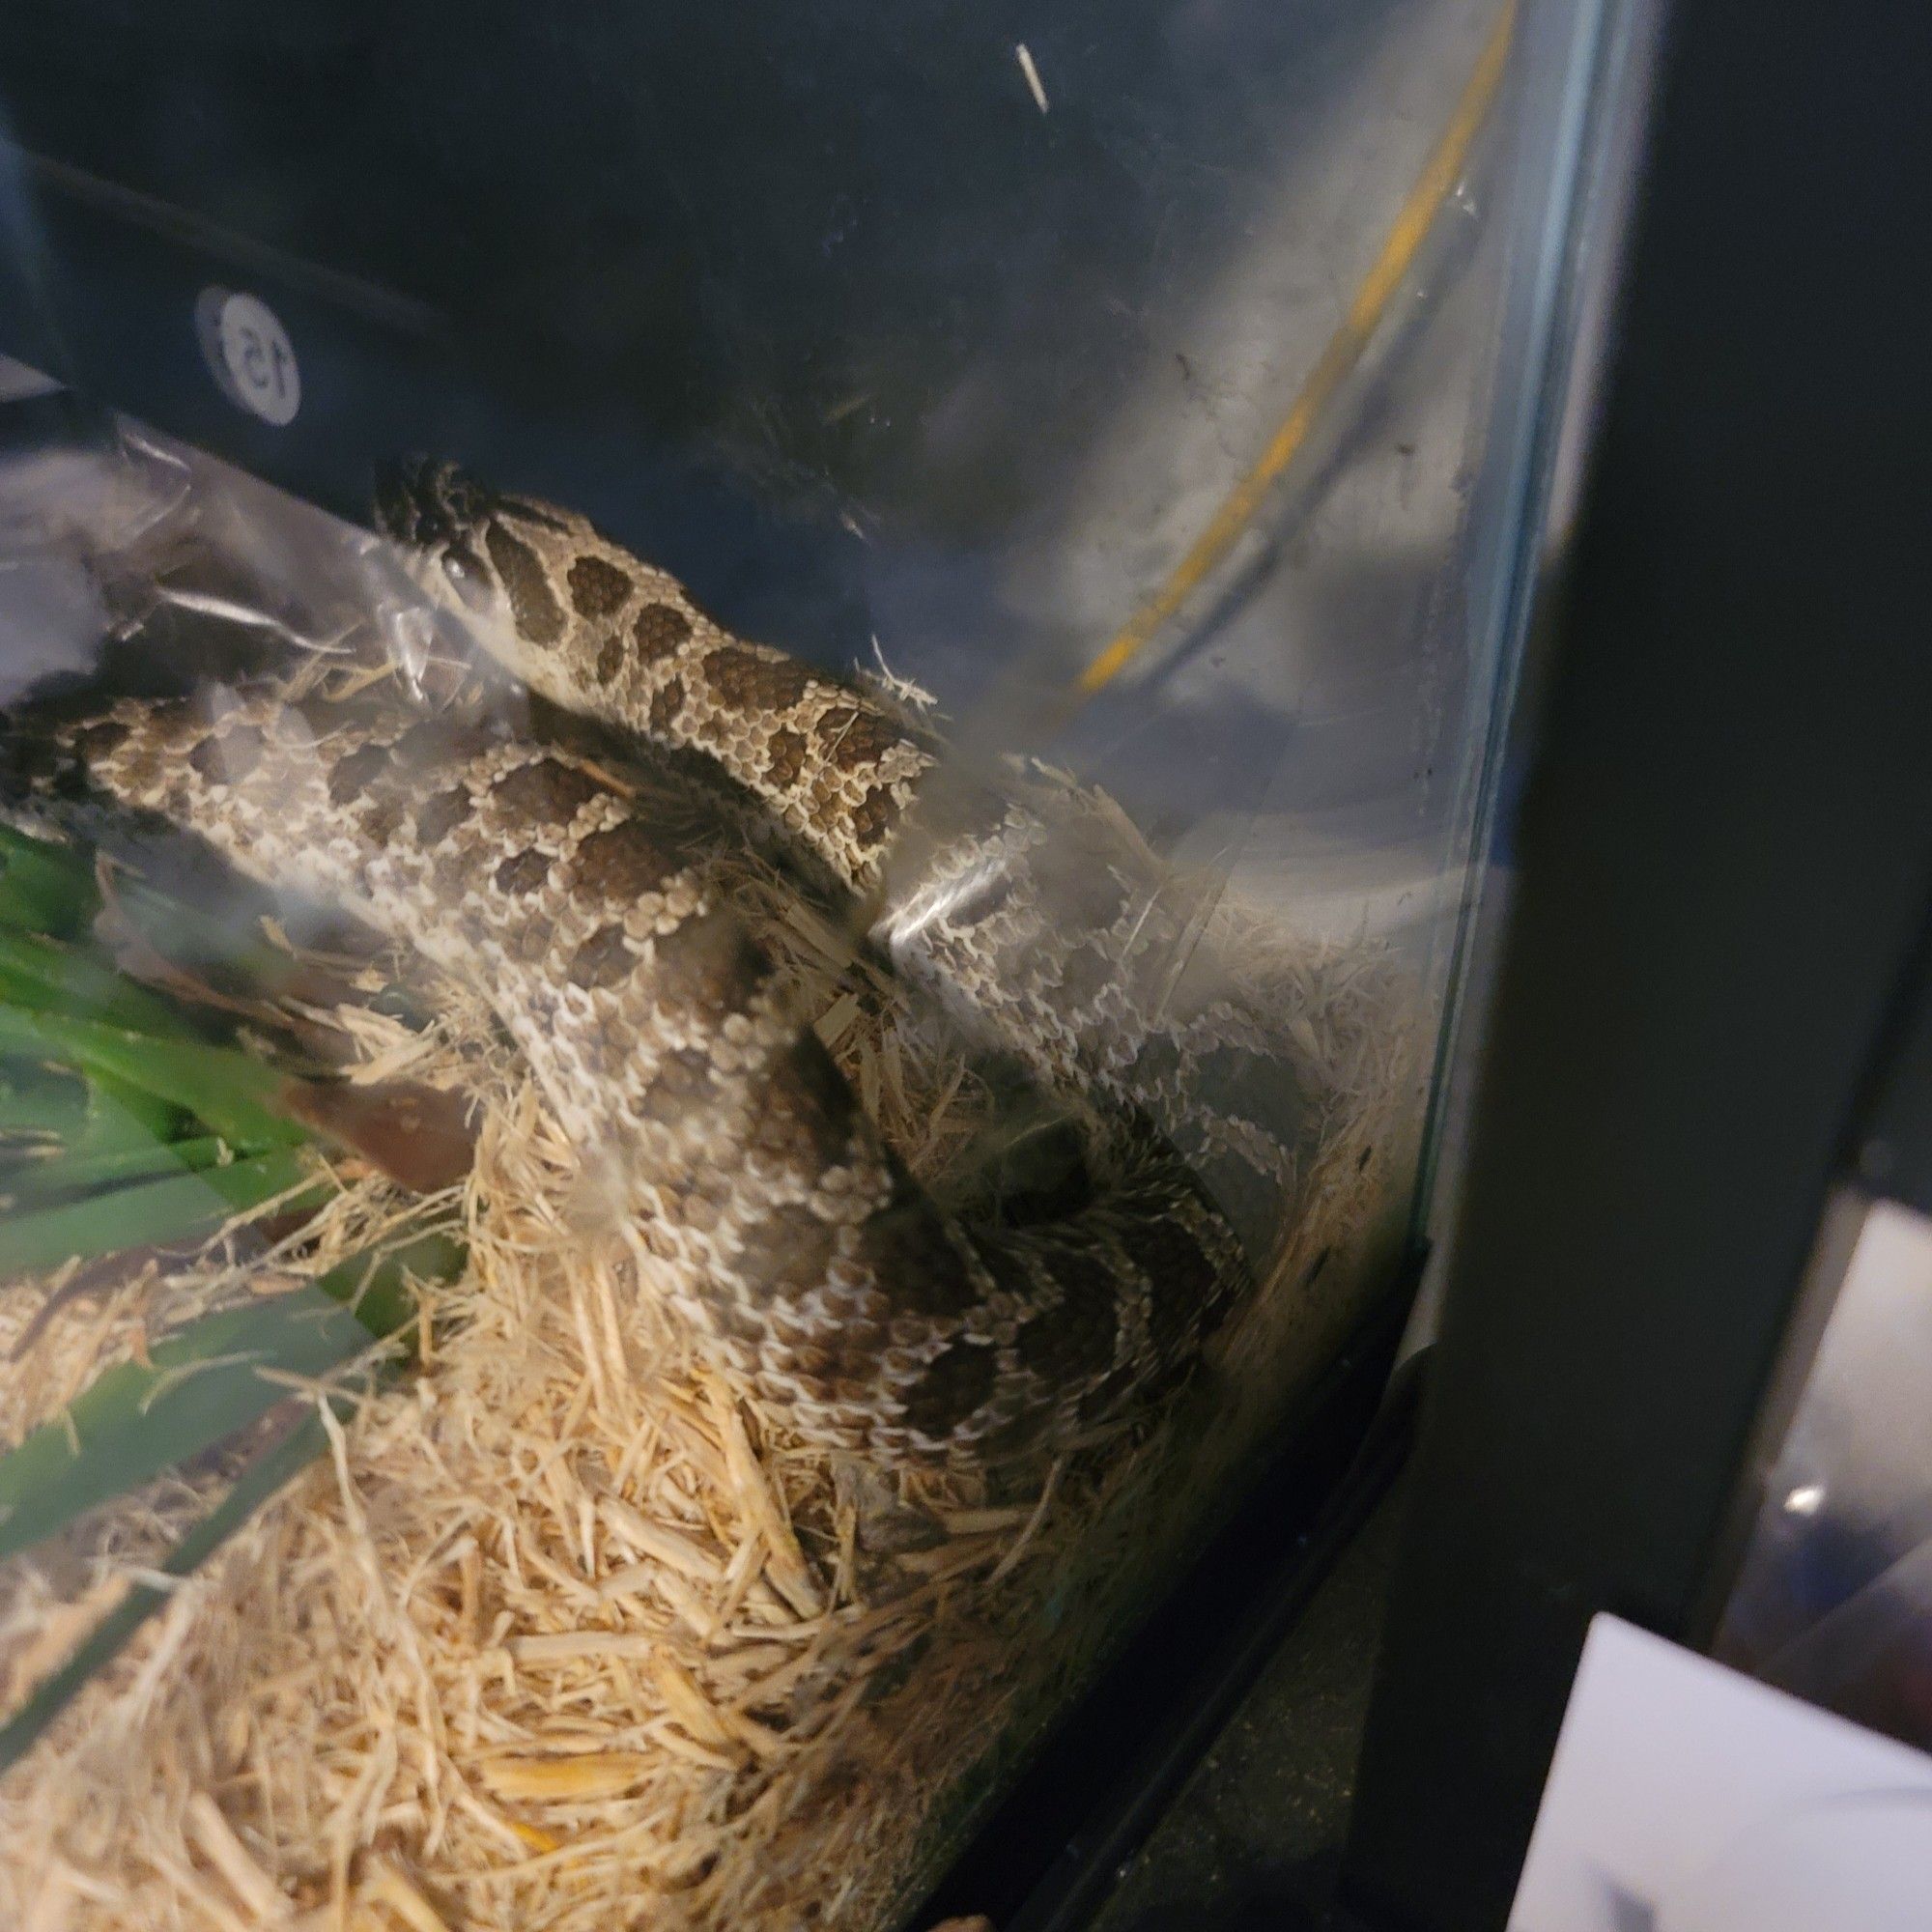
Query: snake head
496	560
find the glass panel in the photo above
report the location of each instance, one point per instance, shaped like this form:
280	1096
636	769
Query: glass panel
856	1150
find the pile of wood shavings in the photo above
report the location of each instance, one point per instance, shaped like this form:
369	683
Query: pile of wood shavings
569	1635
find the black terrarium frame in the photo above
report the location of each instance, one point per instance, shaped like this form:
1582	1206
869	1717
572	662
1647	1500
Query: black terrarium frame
1723	874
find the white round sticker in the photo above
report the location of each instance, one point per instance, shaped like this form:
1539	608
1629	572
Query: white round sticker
253	356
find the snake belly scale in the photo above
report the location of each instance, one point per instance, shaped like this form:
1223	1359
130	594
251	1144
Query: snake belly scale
788	1235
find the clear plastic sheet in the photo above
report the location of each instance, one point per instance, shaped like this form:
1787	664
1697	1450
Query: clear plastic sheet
158	570
203	577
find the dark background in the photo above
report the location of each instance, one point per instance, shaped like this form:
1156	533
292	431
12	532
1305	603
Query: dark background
722	276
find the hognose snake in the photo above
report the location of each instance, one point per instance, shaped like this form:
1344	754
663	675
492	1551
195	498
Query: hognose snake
787	1233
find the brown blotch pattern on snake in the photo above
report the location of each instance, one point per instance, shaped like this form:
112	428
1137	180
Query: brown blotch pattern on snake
708	968
597	588
230	757
658	630
874	818
750	681
666	704
96	740
855	740
625	861
532	604
955	1385
784	756
603	959
680	1084
891	1315
1074	1338
441	815
381	821
435	744
1183	1280
355	773
544	792
522	873
907	1248
805	1109
790	1250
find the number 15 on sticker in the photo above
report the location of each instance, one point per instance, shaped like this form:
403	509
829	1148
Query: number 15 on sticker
249	354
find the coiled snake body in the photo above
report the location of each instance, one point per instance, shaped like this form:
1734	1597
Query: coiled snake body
787	1232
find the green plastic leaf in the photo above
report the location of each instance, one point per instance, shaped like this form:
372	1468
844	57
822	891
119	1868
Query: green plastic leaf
41	1103
67	1176
135	1421
52	1110
194	936
376	1287
272	1470
46	976
225	1089
44	886
157	1214
120	1116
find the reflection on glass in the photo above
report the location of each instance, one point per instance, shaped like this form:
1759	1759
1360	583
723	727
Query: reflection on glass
855	1156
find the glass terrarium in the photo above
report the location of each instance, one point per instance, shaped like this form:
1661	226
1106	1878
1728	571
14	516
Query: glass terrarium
683	1090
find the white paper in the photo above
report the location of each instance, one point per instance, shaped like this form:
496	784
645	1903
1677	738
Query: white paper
1686	1797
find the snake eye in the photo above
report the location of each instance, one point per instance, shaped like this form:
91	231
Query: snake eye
468	577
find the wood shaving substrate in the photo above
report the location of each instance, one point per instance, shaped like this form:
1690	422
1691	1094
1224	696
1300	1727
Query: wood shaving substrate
565	1634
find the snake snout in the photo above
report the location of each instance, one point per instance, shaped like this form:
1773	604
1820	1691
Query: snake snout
425	503
398	498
